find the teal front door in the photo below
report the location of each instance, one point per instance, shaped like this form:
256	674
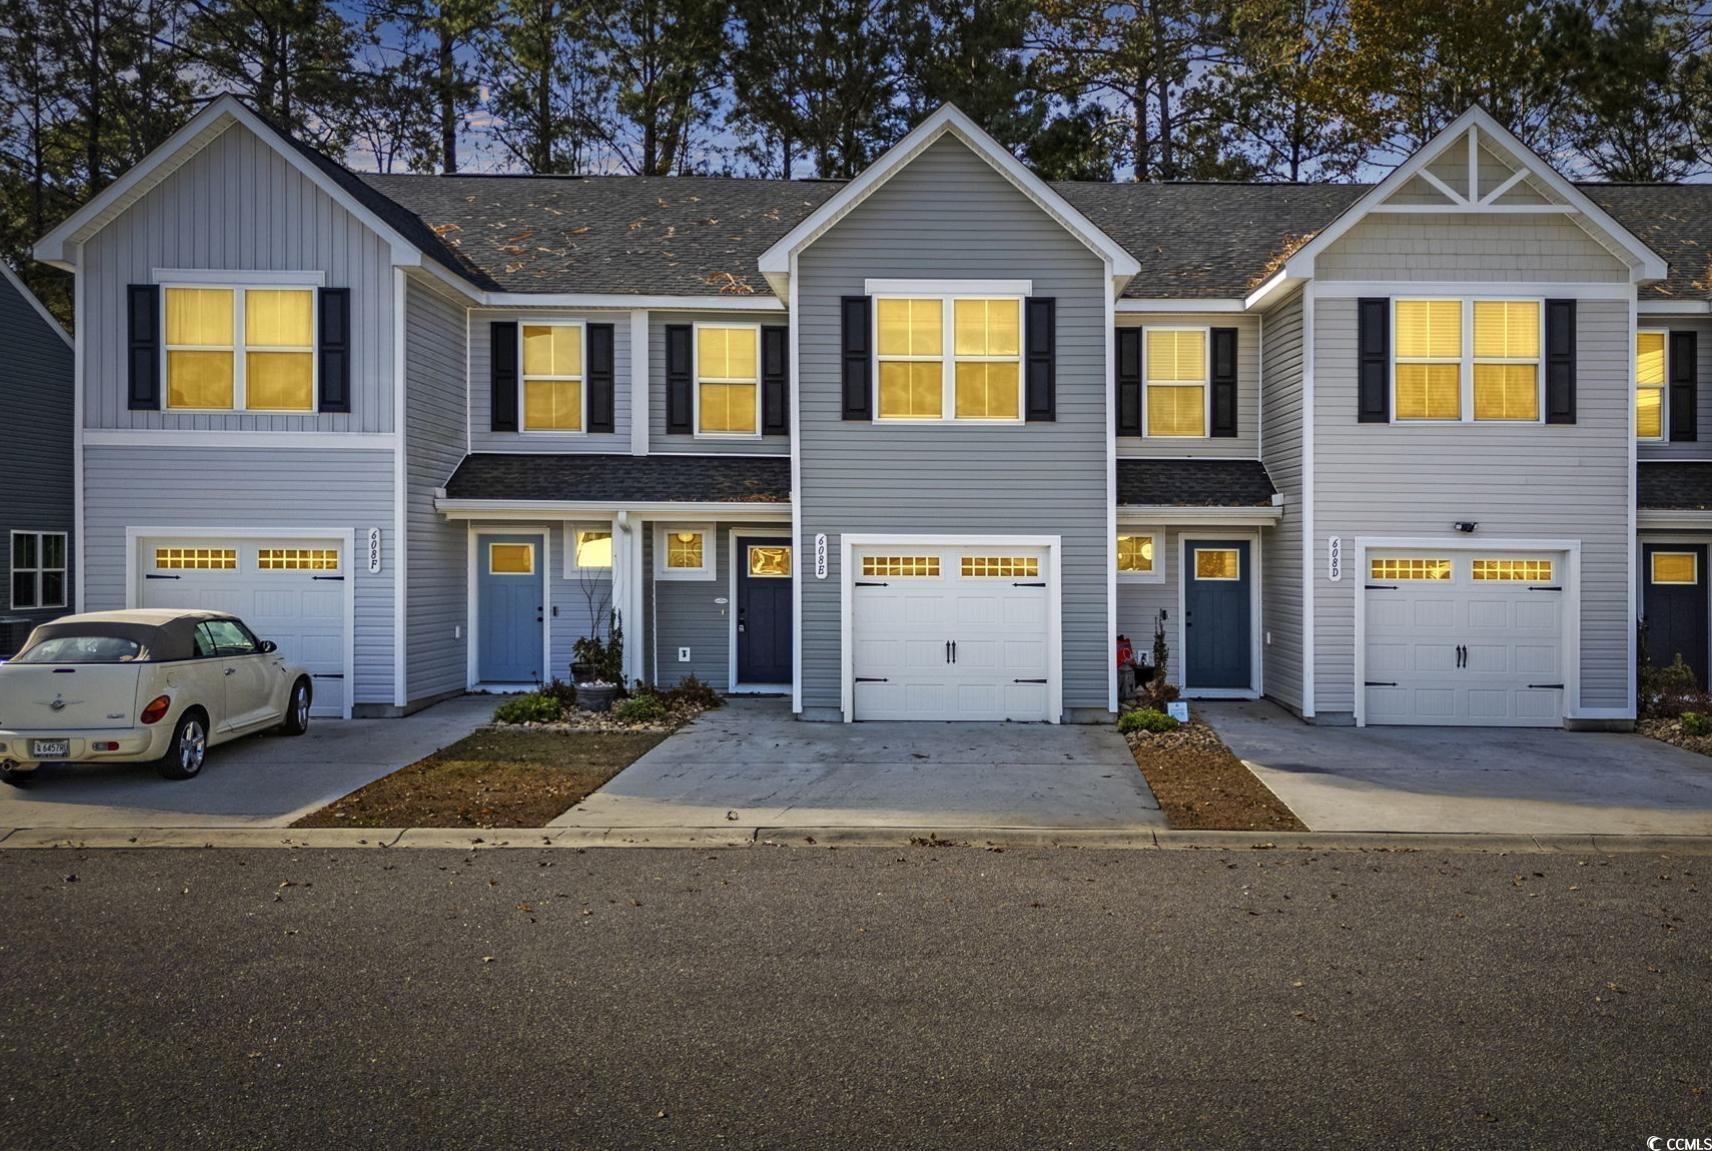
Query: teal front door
1218	616
510	598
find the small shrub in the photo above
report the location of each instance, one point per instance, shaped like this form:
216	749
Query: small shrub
536	707
693	692
642	708
1146	719
1155	694
1696	723
565	694
1669	691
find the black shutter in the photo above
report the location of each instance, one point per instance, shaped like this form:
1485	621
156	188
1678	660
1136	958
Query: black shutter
775	381
1129	381
1373	361
502	375
1224	382
143	307
1684	414
335	351
600	377
1560	361
1040	358
857	386
680	401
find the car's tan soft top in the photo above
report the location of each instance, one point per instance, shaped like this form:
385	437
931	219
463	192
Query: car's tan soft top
162	634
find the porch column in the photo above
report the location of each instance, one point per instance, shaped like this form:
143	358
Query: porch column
627	577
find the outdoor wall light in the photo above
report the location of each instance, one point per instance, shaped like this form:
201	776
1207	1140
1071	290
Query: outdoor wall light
1465	526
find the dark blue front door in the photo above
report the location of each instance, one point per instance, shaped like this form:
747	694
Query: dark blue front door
1674	605
508	603
1217	615
763	610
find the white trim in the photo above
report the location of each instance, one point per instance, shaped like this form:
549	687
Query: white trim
1633	479
1167	304
1108	347
235	278
472	605
1271	290
261	441
1474	289
948	357
40	569
1662	387
742	554
580	379
709	555
1205	383
620	301
1054	545
572	509
1147	515
1570	582
917	288
1675	307
30	299
1479	209
572	569
1647	264
639	383
1157	535
635	592
346	538
696	378
78	436
1310	546
400	498
1673	520
1660	548
796	505
775	262
1256	628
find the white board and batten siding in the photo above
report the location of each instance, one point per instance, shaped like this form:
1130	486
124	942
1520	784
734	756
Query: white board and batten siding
948	215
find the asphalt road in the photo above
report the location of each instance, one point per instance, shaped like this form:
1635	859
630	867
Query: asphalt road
804	997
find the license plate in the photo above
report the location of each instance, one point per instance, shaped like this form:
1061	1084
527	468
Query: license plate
50	748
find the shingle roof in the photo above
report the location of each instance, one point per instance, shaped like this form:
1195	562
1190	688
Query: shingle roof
1674	485
1674	220
619	478
1194	483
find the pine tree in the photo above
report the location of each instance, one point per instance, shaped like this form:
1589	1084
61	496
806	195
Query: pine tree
545	97
665	60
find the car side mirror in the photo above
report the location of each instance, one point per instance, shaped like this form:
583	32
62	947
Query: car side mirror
269	647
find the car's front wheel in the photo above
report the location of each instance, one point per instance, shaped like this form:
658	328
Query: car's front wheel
188	750
297	709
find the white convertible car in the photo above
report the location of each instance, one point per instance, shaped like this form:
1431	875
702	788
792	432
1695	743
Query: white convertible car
155	687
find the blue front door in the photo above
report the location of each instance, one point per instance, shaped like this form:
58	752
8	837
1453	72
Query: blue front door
1218	622
509	603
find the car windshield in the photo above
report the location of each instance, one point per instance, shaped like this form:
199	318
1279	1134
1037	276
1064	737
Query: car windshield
82	649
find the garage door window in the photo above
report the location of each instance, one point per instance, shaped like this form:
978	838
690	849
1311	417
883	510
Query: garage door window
1411	569
298	559
196	559
1004	567
1676	568
901	566
1217	564
1513	571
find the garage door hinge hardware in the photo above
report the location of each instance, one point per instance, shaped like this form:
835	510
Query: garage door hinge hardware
1533	686
872	583
328	675
872	679
152	575
1544	588
1040	584
1379	683
1028	681
335	579
1383	587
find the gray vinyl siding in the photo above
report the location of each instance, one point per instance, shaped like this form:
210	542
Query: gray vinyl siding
481	434
1246	443
1140	602
1469	248
1517	481
1281	450
35	485
176	487
1701	448
237	205
694	613
582	602
436	585
658	439
948	215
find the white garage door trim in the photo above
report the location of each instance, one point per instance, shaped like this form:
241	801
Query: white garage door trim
345	537
1054	546
1571	582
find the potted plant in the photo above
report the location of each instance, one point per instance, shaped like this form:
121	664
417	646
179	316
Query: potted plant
597	665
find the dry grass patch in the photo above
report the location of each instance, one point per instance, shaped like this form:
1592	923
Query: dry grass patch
1201	786
495	778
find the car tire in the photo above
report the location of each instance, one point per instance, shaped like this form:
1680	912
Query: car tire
16	776
189	748
297	708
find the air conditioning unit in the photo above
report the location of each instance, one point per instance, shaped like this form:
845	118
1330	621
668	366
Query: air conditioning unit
14	630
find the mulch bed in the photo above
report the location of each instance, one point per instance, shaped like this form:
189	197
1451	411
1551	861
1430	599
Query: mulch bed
498	777
1201	786
1670	731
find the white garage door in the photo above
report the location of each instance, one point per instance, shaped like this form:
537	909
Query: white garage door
1461	637
289	590
951	633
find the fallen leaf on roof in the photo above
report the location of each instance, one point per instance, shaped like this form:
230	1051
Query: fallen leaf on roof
730	285
578	230
515	267
443	229
521	236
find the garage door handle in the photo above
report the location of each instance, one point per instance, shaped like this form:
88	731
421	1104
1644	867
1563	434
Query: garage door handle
1559	686
333	579
872	679
1379	683
1028	681
328	675
1382	587
880	583
1042	583
1544	588
152	575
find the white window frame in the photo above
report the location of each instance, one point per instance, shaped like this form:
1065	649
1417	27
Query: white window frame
240	289
709	553
696	379
523	379
948	292
41	566
1194	565
1157	575
1465	362
535	559
1652	559
1206	384
571	528
1663	387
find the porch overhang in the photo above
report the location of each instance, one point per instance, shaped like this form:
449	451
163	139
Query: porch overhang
453	509
518	485
1197	491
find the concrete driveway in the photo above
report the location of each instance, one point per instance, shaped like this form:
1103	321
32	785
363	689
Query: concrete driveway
262	781
751	764
1445	779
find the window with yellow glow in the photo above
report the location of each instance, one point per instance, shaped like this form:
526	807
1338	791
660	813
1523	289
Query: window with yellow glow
684	551
1649	385
279	350
1217	564
901	566
1001	567
201	340
1676	568
911	354
552	377
196	559
728	380
1410	569
298	559
1176	375
1513	571
593	548
769	561
1135	554
987	347
511	559
270	368
1428	367
1506	359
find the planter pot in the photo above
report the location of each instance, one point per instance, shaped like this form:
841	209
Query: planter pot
596	697
581	672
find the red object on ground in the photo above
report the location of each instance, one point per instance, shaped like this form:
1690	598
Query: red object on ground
1126	651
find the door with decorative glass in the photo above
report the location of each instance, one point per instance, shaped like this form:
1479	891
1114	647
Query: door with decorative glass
763	611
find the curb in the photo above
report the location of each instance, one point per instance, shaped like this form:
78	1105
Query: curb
1116	839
